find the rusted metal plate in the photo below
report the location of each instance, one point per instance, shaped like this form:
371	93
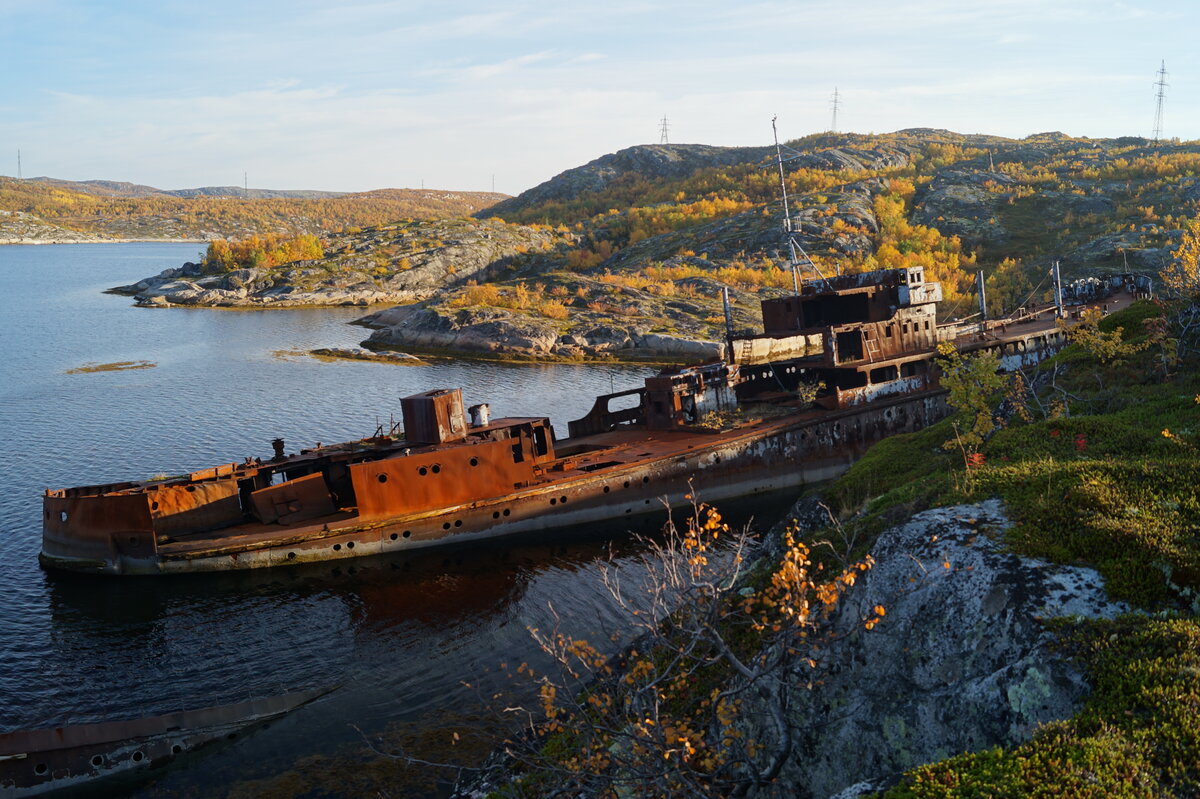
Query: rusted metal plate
434	417
292	501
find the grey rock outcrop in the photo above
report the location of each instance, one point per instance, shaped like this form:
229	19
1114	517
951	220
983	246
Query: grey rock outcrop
962	660
964	204
504	332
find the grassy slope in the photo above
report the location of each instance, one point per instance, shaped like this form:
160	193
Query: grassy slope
1104	487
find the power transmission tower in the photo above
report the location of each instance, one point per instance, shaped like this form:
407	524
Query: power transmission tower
836	103
1160	84
662	130
18	165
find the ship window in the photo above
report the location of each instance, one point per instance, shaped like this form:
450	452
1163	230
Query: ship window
518	452
888	331
883	374
926	324
97	760
474	461
383	478
849	345
435	468
422	471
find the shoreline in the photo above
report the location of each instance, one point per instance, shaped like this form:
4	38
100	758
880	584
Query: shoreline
28	242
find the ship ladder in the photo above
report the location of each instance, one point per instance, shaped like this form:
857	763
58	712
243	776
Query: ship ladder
872	348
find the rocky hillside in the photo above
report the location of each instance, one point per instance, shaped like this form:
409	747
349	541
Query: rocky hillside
643	240
401	262
101	210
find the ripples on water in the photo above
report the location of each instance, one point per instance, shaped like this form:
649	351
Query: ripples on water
397	638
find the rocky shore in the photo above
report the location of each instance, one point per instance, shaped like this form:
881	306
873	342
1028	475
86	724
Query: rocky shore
499	332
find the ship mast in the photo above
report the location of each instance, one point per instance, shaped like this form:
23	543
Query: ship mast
795	251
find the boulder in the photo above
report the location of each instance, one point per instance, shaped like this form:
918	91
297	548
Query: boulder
962	661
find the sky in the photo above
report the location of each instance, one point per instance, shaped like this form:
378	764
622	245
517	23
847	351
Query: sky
467	95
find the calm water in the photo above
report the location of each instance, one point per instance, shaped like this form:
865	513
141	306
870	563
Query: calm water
395	638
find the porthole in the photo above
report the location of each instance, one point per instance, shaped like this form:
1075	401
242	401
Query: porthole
97	760
132	541
191	488
495	514
350	545
436	468
606	489
506	511
291	556
646	479
562	500
382	478
337	547
138	757
446	526
40	768
717	459
422	471
647	502
458	522
627	484
393	536
408	533
553	501
176	749
474	461
154	505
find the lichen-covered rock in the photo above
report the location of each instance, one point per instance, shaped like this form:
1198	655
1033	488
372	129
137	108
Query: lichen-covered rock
962	660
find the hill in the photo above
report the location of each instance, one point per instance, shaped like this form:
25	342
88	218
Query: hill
646	237
50	210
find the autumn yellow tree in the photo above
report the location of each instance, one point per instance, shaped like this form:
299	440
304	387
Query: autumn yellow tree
1181	277
715	641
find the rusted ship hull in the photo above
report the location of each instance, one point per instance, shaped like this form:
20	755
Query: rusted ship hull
68	758
663	468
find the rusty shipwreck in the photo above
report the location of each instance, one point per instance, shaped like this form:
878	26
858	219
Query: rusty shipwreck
725	429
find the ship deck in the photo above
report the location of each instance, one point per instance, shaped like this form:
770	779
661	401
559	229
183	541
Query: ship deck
581	459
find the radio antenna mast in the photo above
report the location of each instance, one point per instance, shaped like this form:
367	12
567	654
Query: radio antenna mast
18	165
795	251
836	103
662	130
1161	84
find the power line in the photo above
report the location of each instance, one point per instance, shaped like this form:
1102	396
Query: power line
1161	84
836	103
663	127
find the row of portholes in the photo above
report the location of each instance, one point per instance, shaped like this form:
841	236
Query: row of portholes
98	760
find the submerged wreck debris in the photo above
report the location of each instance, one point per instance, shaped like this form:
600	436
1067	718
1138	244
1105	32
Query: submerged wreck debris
34	762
